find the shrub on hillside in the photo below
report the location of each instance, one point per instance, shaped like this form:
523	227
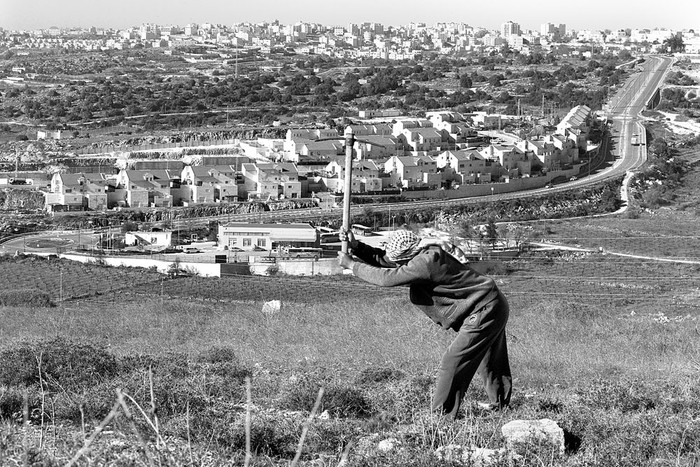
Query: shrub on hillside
399	400
31	297
270	434
218	355
168	397
62	364
340	401
12	402
490	267
374	375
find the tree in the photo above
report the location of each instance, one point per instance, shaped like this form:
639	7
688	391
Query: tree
491	233
674	44
495	80
519	233
465	229
465	81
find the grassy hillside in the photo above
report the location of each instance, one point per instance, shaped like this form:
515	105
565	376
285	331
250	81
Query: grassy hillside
605	345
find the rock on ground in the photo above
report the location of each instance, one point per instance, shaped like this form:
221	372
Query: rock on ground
470	455
522	435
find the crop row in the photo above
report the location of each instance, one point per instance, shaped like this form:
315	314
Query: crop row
260	288
63	279
586	279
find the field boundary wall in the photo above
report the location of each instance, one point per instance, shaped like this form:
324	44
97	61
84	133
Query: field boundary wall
322	267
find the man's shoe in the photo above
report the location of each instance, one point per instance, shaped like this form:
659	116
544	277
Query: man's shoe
489	407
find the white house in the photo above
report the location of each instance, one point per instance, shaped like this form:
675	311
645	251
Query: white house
249	237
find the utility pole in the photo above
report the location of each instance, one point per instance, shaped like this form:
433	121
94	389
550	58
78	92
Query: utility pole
542	105
349	143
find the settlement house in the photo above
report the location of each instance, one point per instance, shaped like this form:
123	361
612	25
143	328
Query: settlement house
243	236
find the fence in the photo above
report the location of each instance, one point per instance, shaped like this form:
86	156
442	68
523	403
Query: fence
155	146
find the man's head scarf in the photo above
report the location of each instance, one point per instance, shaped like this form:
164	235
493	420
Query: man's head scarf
402	246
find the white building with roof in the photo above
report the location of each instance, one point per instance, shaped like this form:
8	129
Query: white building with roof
467	166
243	236
576	125
413	171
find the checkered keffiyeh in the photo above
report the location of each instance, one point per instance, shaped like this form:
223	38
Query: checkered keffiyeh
402	245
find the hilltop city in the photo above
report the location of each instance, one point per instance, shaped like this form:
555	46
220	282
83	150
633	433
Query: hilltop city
162	119
371	40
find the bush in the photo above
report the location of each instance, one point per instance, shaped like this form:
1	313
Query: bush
218	355
270	435
64	364
12	403
340	401
490	268
31	297
374	375
628	395
400	400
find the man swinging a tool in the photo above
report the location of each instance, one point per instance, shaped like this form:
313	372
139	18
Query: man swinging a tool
450	293
455	297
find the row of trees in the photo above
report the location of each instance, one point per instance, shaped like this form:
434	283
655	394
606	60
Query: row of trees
601	198
152	93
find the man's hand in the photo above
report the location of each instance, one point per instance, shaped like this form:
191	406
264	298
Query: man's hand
347	235
345	260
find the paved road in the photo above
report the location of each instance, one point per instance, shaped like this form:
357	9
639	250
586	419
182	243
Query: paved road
624	113
50	242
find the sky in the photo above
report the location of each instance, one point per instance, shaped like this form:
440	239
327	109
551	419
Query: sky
119	14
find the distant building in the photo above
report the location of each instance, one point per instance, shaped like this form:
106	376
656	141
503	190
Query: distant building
77	192
250	237
510	28
149	239
413	171
49	134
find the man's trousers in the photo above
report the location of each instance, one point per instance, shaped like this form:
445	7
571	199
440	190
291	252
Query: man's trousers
480	346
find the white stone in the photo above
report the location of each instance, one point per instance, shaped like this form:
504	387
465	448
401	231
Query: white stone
387	445
521	435
272	307
471	456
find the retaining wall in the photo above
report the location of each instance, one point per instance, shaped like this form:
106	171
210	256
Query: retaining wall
516	184
322	267
202	269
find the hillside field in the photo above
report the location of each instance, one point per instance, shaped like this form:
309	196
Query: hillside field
608	346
